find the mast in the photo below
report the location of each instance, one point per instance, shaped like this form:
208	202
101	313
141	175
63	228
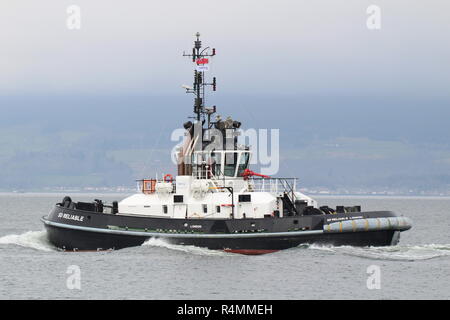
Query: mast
199	135
201	59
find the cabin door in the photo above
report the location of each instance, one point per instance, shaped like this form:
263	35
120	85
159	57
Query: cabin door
245	209
180	211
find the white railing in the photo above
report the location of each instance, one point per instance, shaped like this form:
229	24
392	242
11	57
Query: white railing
273	184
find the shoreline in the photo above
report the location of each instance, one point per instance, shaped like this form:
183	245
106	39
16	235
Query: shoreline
314	195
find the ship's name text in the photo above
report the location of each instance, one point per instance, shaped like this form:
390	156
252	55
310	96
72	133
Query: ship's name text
68	216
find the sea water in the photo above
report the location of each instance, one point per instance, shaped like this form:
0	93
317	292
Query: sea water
417	268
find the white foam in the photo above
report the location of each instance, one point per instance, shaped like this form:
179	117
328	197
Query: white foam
30	239
157	242
400	253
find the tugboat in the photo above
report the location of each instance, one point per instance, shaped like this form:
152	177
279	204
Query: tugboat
216	201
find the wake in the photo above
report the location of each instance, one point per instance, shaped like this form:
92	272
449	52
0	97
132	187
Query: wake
31	239
394	253
37	240
154	242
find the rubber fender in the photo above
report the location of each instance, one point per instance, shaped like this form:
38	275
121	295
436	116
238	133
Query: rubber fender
369	224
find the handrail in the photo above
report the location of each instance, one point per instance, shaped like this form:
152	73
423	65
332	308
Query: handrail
286	185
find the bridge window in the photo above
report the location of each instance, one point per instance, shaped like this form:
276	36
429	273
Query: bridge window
243	163
230	164
216	163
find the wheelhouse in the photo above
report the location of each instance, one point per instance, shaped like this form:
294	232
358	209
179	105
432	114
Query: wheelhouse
220	163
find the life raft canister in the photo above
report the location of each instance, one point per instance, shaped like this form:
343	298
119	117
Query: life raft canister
168	178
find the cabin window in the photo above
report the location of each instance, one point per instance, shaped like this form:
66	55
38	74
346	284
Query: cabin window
205	208
198	162
216	163
243	163
245	198
230	164
218	209
164	209
178	198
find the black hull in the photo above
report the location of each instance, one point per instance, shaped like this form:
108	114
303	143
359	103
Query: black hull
78	240
78	230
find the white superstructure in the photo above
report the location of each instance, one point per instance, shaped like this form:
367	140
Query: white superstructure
215	189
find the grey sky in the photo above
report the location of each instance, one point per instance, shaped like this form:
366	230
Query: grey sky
285	47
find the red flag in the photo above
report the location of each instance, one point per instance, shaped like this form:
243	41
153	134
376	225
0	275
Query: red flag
202	61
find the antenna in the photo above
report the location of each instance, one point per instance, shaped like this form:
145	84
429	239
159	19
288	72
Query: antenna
201	59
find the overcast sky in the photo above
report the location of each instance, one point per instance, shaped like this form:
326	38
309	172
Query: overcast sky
319	47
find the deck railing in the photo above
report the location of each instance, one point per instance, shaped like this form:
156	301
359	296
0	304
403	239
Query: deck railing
277	185
273	184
